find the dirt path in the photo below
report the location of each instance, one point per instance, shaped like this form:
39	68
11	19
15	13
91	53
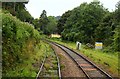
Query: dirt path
69	68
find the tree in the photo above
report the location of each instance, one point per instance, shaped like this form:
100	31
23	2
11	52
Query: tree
46	24
116	43
51	27
117	39
35	22
62	21
18	10
43	21
82	22
117	12
104	32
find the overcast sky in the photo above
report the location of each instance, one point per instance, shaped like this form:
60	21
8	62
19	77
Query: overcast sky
58	7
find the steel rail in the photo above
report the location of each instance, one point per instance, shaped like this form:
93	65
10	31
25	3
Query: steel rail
58	64
41	67
57	44
37	77
72	59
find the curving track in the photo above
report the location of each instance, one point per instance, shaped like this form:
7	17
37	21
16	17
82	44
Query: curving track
89	69
42	68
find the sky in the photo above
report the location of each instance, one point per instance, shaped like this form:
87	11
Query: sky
58	7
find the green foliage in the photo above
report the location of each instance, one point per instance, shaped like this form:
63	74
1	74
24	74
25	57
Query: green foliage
18	10
91	22
46	25
36	24
117	12
117	38
43	21
82	22
62	21
19	38
51	26
104	32
24	15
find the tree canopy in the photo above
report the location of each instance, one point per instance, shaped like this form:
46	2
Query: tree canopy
18	10
47	25
82	22
91	22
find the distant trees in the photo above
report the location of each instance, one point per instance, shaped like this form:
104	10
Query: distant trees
52	25
91	22
43	20
45	24
62	21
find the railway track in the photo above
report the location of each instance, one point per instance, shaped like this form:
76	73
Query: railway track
89	69
50	67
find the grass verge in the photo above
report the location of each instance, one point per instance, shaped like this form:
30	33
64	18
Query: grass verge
107	61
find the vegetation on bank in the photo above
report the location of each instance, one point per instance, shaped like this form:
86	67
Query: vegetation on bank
23	51
106	60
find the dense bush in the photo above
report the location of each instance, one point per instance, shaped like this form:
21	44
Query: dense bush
16	35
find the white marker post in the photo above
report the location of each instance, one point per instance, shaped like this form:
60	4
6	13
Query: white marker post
78	45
